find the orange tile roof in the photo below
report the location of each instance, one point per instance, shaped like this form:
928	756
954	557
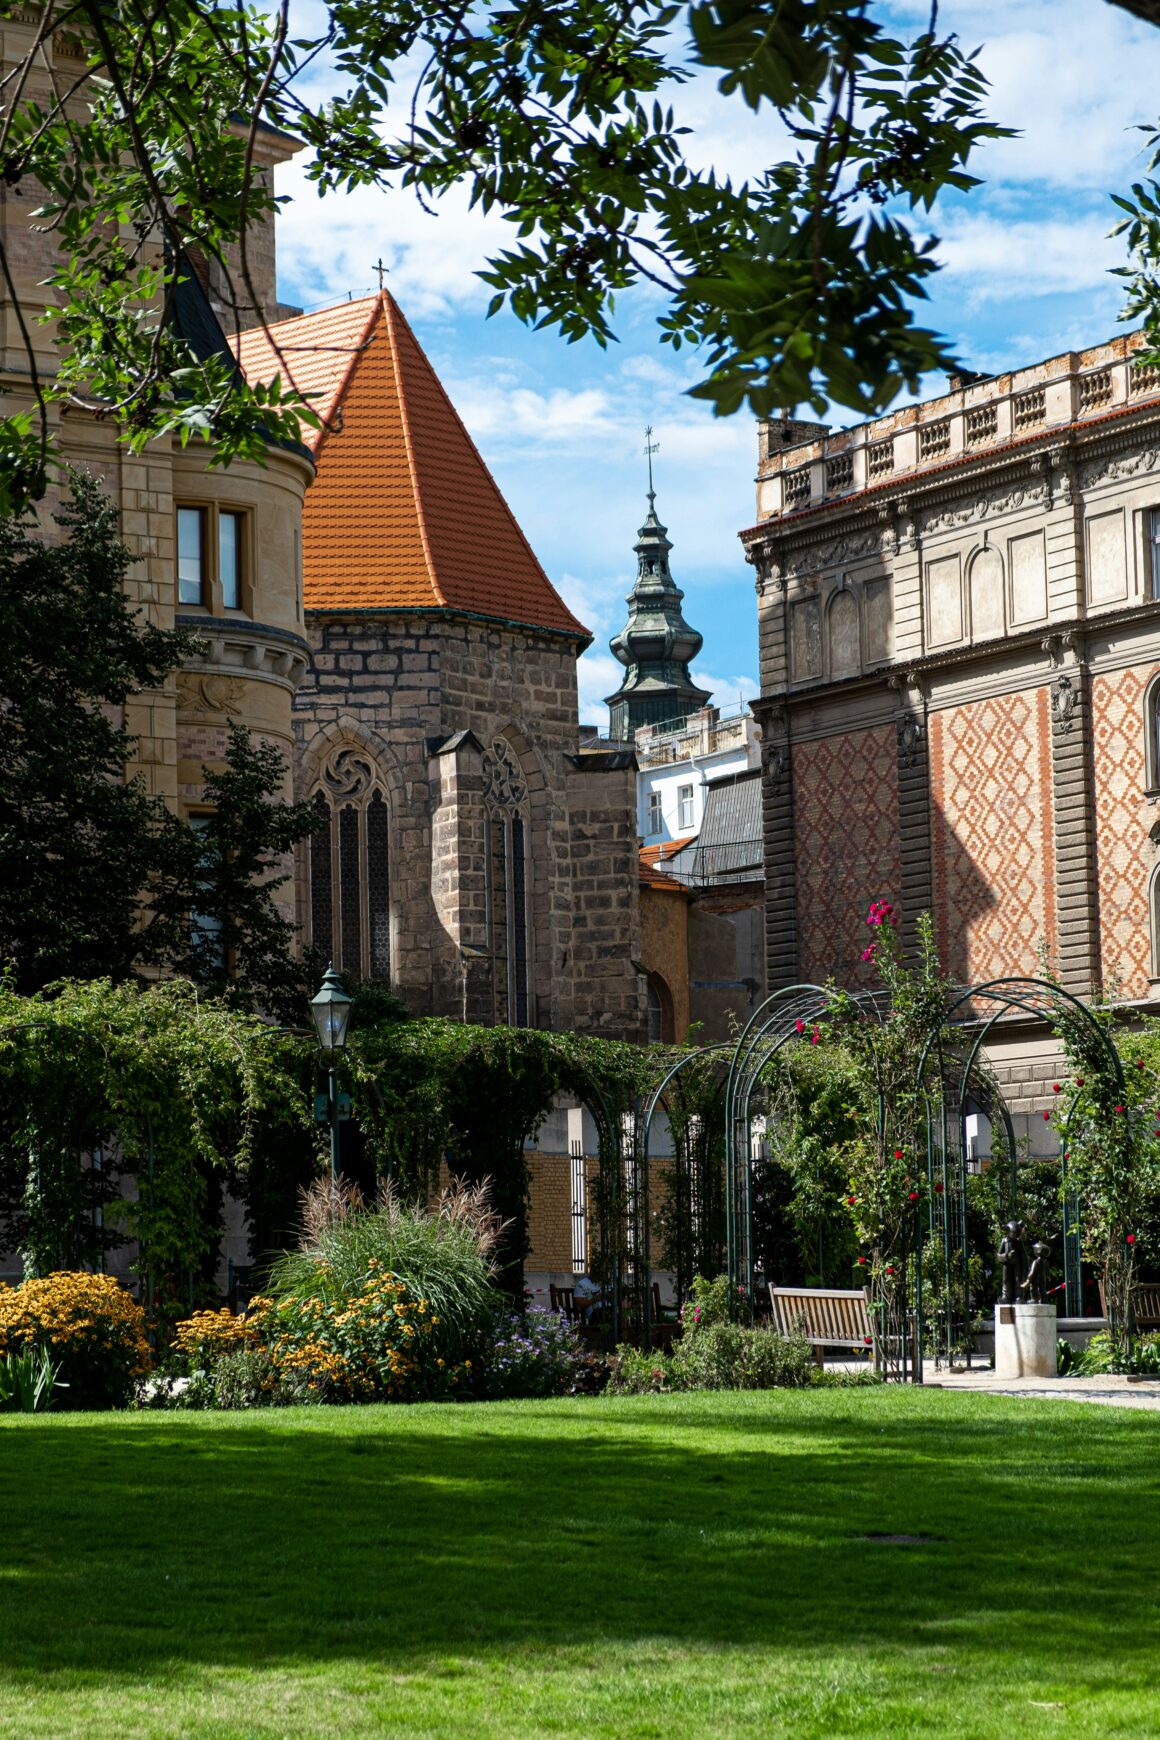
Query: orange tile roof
653	857
403	514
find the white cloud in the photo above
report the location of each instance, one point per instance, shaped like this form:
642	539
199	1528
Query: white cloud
999	260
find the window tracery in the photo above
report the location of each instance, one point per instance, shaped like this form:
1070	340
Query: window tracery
349	863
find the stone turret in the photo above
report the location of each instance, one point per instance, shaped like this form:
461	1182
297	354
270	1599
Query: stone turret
656	643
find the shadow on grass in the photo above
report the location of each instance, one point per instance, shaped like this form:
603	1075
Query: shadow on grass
390	1535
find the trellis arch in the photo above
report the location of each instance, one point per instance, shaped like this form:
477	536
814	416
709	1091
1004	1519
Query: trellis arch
784	1016
945	1149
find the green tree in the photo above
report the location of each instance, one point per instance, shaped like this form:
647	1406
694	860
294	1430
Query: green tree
239	943
799	285
91	865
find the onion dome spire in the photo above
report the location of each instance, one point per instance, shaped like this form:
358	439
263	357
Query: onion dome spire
656	643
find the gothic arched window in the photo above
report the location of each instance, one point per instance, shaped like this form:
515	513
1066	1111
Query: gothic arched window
507	862
350	889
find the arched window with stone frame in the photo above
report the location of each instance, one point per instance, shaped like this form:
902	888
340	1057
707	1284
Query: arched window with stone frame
1152	735
350	866
507	869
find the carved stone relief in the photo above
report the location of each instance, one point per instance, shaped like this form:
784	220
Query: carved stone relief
909	740
1120	465
203	695
984	507
1064	696
348	776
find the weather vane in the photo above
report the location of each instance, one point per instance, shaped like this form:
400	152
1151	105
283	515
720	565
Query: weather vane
650	447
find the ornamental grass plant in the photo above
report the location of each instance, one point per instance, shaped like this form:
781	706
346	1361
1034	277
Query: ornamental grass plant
89	1326
385	1300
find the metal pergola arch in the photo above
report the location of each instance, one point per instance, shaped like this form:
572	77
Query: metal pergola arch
783	1016
1041	999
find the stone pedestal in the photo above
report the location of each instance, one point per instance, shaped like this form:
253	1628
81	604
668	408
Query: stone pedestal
1025	1338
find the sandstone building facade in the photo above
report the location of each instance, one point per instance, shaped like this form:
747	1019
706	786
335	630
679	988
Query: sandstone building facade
219	551
959	611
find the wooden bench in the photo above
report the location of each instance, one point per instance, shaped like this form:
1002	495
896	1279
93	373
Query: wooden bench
1145	1304
823	1316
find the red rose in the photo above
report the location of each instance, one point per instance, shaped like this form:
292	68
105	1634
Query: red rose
867	1341
800	1026
913	1197
1079	1081
1055	1088
861	1262
889	1270
938	1189
898	1154
1139	1063
1131	1239
851	1200
1119	1108
1047	1117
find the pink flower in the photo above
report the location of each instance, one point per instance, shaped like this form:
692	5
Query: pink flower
800	1026
814	1037
868	953
1119	1108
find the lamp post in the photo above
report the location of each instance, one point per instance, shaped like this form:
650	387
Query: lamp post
331	1014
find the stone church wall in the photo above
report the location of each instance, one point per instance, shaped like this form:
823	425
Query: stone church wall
417	703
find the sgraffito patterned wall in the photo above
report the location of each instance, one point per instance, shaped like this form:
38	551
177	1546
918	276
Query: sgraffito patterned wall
845	795
991	835
1124	855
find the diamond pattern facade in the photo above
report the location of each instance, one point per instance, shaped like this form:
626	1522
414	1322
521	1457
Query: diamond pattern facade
1124	854
846	825
991	827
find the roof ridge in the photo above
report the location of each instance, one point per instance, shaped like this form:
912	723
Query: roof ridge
390	308
326	426
450	404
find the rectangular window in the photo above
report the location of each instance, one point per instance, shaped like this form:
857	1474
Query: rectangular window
1154	549
230	559
190	557
656	816
684	806
206	927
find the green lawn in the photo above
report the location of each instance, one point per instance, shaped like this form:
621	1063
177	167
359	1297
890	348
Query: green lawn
680	1565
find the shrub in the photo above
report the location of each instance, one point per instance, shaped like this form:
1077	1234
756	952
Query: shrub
444	1258
726	1356
89	1324
201	1340
374	1341
636	1372
537	1354
247	1377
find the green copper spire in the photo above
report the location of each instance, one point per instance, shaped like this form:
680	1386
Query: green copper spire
656	643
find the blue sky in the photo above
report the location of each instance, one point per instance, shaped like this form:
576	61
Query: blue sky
1026	275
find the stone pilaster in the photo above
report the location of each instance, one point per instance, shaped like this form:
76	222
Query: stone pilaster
781	939
1074	817
460	962
916	894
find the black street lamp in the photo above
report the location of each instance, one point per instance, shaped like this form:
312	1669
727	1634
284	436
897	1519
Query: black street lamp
331	1013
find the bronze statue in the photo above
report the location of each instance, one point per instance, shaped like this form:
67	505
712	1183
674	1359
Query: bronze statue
1034	1283
1012	1261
